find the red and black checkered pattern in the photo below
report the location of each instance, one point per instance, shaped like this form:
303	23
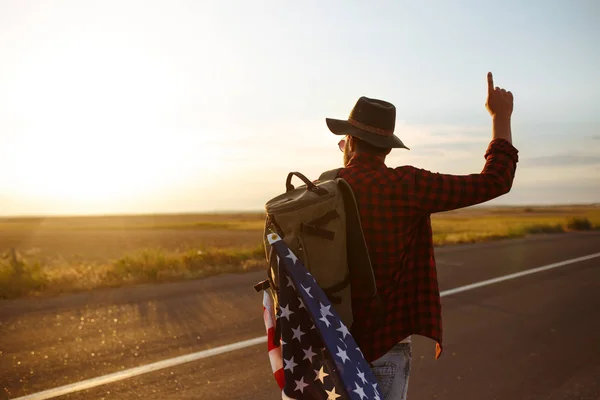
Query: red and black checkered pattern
395	206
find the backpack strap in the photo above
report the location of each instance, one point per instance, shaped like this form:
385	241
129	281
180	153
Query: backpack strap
329	175
359	261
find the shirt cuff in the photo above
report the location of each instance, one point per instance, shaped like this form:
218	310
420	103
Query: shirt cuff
502	146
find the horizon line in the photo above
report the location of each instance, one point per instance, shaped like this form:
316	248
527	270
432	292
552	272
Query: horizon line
249	211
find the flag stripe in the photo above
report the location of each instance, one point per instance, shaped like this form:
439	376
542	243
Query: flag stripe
275	357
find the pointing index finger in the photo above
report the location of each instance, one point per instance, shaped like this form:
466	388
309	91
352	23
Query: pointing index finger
490	80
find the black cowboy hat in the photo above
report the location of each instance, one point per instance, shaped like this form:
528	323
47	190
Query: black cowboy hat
371	120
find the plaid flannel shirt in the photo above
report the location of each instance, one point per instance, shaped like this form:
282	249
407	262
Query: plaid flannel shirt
395	205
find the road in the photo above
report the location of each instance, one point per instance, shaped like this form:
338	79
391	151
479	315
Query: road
533	337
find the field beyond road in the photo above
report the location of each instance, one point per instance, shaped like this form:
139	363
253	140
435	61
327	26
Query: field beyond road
45	256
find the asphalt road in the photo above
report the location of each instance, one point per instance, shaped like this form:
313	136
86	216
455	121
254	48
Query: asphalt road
534	337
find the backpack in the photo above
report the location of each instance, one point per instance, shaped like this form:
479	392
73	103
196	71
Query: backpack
319	221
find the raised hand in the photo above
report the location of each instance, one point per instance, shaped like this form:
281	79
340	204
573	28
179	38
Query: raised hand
499	102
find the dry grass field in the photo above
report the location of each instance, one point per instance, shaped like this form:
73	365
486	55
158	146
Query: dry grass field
45	256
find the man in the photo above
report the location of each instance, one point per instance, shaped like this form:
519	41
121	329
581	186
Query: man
395	206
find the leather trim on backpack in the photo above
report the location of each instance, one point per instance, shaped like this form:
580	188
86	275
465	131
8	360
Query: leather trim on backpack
317	231
336	288
325	219
263	285
314	227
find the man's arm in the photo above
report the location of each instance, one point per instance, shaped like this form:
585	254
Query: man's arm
436	192
500	106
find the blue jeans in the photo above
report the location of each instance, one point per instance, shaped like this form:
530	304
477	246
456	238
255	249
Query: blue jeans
392	371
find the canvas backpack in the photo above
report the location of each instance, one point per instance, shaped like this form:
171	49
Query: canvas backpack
319	221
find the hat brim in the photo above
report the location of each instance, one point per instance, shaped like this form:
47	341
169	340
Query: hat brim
341	127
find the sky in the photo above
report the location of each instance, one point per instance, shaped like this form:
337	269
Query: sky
110	107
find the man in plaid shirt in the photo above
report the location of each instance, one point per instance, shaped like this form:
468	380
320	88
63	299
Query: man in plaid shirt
395	205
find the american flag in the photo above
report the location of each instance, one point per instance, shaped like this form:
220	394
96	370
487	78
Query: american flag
316	357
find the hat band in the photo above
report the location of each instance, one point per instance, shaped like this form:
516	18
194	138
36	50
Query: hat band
370	129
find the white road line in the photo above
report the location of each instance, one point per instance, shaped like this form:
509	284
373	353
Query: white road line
517	275
130	373
171	362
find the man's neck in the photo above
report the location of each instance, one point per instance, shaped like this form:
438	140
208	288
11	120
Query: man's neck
365	158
